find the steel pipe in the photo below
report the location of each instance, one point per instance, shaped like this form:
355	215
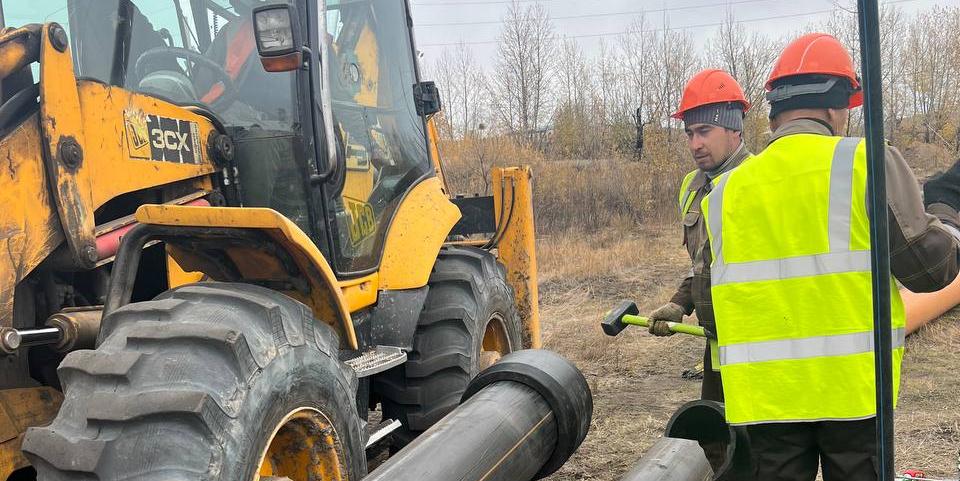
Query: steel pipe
521	419
12	340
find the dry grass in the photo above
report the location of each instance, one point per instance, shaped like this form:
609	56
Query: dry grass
927	159
586	195
581	276
637	380
928	418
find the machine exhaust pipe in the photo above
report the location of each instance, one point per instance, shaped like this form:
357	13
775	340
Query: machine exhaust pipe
519	420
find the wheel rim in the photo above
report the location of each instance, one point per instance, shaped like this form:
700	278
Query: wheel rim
496	342
304	446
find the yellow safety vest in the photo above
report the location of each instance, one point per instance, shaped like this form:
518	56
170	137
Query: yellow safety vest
685	199
791	284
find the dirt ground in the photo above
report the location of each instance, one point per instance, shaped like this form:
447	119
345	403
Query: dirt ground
637	380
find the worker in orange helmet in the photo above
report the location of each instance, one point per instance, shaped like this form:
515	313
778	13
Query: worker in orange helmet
712	110
790	272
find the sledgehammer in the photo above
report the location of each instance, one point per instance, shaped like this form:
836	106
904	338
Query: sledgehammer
626	313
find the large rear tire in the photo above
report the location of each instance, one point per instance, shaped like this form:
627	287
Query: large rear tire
208	381
469	320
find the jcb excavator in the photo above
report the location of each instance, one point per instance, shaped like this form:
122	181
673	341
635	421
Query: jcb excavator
226	238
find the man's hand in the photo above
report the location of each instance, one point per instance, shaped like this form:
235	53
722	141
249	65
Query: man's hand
668	312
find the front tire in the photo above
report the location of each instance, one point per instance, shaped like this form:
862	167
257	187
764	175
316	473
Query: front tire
205	383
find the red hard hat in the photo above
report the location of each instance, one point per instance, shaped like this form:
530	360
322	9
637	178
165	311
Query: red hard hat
710	86
817	53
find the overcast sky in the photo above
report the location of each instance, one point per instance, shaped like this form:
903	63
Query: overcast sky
478	21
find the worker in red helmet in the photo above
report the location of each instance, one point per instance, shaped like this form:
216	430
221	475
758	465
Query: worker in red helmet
712	110
789	237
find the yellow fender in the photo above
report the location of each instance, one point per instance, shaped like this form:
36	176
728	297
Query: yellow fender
324	296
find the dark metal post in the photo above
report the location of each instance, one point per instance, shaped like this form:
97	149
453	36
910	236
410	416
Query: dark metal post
879	234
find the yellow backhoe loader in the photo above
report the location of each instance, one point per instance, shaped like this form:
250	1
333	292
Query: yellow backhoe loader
226	238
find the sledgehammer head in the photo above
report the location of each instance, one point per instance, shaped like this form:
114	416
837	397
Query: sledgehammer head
613	322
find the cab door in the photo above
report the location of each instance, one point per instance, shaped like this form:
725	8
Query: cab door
380	138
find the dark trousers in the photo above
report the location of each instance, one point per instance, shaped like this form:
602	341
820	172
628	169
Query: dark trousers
712	390
793	451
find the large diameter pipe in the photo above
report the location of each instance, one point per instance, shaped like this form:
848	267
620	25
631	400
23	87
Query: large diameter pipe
519	420
497	431
672	459
696	427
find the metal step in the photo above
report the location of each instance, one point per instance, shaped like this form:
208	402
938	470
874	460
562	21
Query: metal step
376	360
381	431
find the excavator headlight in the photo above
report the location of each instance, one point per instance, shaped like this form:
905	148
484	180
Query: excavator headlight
276	31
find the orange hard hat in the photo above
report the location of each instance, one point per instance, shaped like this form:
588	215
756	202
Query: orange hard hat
819	54
710	86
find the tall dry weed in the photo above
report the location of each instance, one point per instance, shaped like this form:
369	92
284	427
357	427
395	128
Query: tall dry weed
580	195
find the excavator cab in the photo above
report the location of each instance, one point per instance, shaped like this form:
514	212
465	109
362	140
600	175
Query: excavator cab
333	149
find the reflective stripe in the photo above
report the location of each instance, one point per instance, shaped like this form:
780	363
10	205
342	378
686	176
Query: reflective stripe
841	192
685	198
715	221
839	259
805	348
791	267
684	204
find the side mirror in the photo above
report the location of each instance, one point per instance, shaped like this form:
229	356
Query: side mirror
427	98
277	31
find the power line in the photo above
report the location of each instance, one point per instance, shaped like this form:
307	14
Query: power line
610	14
492	2
682	27
610	34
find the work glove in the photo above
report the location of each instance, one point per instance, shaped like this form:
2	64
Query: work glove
669	312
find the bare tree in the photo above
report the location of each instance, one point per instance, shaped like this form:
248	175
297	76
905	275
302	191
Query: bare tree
674	61
617	104
571	118
842	24
573	84
462	85
930	71
522	87
749	58
656	65
635	46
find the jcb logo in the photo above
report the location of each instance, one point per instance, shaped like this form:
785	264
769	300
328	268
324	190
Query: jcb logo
363	222
162	138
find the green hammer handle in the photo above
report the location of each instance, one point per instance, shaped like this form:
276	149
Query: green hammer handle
674	326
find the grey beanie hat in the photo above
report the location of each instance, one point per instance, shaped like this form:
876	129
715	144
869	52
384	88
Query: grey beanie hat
728	115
